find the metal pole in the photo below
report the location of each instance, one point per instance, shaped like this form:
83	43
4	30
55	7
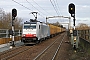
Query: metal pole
46	20
74	21
13	18
89	35
7	33
69	23
75	44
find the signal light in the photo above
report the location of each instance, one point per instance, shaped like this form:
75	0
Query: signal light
14	12
71	8
74	32
75	39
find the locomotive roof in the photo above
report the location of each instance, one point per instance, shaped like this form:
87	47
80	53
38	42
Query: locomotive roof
30	22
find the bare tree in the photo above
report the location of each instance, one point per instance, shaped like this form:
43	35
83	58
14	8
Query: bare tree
82	26
6	21
18	23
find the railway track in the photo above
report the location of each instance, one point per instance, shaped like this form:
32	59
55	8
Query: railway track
11	53
33	52
51	51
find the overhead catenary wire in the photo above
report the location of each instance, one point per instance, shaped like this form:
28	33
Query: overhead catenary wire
58	6
25	7
22	5
55	4
36	9
41	7
58	9
54	8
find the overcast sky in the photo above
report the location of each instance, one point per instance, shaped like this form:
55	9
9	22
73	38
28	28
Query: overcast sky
46	8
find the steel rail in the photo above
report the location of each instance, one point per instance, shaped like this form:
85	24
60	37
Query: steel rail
5	52
45	49
58	48
10	56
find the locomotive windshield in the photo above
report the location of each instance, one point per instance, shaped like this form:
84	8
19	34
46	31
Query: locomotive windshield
29	26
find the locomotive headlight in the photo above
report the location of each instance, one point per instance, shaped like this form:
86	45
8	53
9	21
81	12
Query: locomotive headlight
34	35
23	35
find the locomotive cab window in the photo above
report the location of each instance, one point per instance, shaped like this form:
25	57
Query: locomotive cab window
29	26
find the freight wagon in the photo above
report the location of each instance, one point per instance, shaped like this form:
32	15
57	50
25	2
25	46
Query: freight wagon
54	30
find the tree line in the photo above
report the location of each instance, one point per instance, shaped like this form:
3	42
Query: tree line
83	26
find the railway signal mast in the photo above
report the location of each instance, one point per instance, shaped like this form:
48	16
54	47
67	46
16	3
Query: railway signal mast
72	12
14	14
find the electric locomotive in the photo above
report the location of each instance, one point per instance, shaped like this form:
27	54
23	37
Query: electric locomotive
34	32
